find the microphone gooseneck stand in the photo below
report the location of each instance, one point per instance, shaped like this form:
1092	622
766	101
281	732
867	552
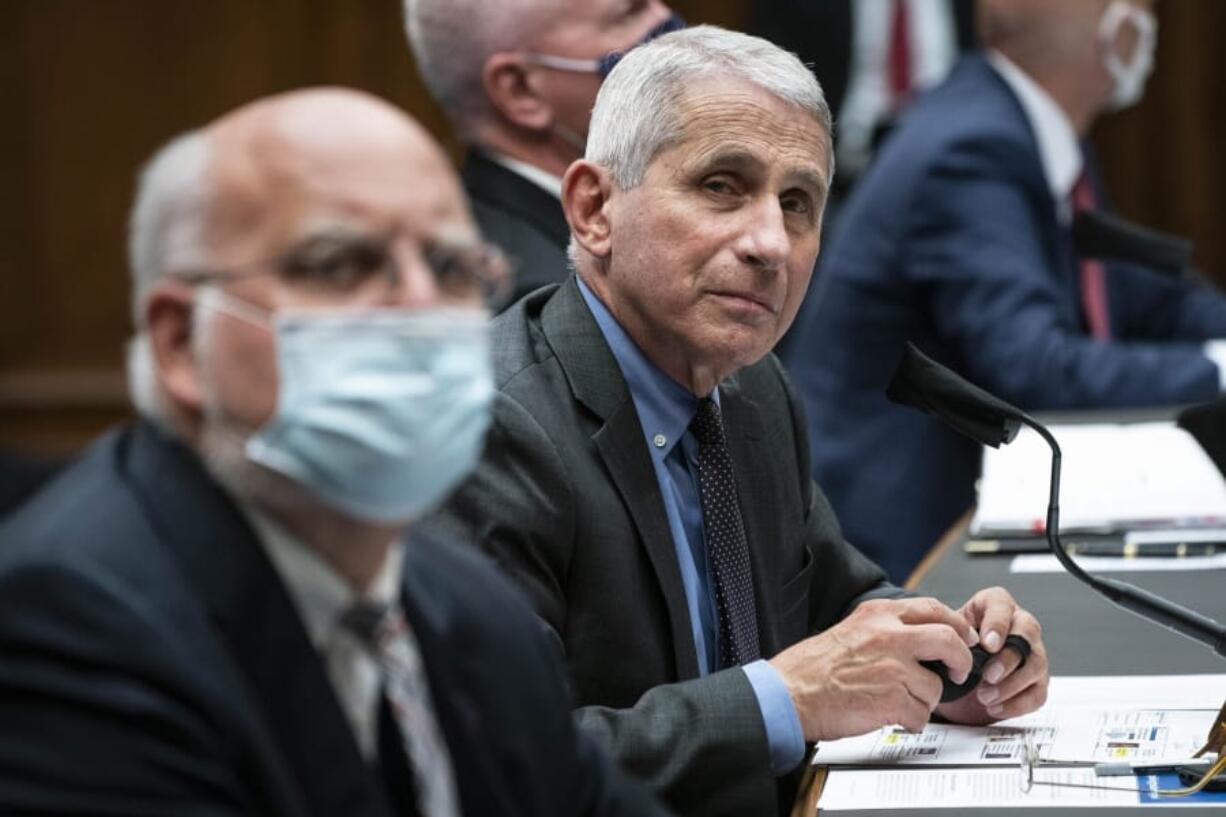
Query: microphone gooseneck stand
922	383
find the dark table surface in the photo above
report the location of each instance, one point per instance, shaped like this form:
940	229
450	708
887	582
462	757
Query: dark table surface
1085	634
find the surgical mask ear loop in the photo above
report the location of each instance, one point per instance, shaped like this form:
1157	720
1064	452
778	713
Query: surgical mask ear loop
213	299
1129	77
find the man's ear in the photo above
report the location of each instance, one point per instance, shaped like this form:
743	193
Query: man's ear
587	190
506	80
169	323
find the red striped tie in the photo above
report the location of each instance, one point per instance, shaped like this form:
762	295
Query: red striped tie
1093	273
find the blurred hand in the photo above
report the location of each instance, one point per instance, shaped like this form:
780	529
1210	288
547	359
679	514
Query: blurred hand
1005	691
863	673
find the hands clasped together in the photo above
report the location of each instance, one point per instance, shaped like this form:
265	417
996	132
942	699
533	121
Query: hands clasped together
864	672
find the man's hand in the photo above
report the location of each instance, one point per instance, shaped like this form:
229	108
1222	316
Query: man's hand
1005	691
864	672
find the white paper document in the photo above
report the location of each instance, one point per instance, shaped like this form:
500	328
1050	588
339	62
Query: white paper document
1046	563
1066	734
851	790
1114	477
1087	720
1190	691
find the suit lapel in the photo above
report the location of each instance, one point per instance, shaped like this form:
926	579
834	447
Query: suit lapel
459	716
597	383
759	502
257	622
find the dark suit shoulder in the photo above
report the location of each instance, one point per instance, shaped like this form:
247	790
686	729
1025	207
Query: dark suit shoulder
972	114
517	339
96	627
88	519
522	219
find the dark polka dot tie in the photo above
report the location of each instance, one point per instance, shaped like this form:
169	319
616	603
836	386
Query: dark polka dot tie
727	546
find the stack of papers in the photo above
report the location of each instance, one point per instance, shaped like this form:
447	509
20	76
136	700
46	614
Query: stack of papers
1115	477
1145	719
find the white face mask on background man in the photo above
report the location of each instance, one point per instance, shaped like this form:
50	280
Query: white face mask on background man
1131	74
380	412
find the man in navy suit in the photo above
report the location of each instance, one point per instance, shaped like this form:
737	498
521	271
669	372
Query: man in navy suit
214	612
959	239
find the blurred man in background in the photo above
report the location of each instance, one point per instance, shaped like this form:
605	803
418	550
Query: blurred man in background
517	79
960	239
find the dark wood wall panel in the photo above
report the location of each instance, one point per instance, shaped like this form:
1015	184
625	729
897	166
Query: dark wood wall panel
1163	158
92	87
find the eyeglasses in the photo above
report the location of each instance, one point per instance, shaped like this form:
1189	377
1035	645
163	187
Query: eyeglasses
340	264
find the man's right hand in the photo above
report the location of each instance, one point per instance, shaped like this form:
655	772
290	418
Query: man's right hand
864	672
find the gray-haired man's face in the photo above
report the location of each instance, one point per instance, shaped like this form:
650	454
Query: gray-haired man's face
711	255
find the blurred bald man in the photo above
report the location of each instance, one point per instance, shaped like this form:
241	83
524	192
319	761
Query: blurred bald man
214	612
518	79
960	239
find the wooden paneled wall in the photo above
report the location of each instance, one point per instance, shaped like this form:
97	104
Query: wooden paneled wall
92	87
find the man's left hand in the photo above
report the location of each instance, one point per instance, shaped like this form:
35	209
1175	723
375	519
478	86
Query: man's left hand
1008	688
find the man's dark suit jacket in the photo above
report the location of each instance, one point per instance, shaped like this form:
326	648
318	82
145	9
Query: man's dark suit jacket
522	219
567	499
154	664
952	240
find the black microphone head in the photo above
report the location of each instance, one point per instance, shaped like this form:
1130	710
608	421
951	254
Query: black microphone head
922	383
1109	238
1206	422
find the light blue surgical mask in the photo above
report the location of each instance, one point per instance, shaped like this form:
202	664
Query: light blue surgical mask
380	412
604	64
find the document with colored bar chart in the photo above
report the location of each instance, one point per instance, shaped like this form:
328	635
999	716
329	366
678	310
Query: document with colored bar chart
1044	759
1138	736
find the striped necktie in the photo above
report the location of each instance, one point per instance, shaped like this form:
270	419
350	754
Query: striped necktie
386	633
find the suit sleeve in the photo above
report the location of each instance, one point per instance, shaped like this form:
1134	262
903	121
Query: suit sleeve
90	721
973	250
698	743
1146	305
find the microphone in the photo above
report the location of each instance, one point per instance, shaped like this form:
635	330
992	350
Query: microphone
1100	235
922	383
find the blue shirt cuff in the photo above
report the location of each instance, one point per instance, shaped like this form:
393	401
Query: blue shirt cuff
783	732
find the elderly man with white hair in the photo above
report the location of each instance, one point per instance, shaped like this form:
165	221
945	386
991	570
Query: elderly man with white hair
517	79
213	612
647	477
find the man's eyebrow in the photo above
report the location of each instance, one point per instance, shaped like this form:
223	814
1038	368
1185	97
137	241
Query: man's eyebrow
730	157
736	158
812	179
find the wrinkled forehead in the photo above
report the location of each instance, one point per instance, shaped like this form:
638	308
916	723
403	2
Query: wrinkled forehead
279	178
721	116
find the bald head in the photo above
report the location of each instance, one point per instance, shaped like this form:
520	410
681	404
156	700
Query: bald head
1026	30
340	152
1065	46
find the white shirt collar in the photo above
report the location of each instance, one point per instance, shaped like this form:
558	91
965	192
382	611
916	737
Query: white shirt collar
319	593
1059	150
548	182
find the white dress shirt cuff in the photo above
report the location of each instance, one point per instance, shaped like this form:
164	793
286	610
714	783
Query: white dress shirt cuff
1215	350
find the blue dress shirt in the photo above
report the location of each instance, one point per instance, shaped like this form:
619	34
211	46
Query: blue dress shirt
665	409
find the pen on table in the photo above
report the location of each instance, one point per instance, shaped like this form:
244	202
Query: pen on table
1170	767
1119	548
